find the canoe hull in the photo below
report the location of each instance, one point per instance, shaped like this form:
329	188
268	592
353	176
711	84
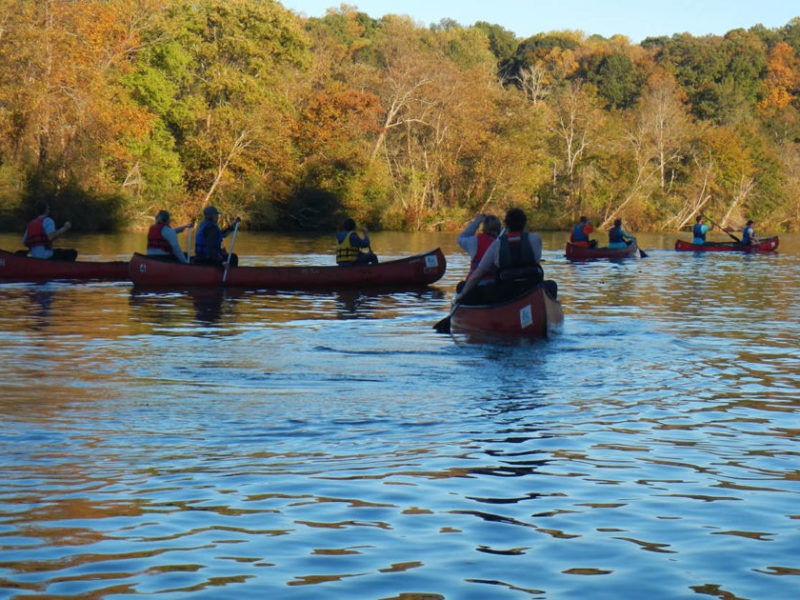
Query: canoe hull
534	314
14	267
574	252
768	245
421	269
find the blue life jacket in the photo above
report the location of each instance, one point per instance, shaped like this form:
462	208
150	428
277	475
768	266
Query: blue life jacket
200	239
746	236
615	236
578	235
699	232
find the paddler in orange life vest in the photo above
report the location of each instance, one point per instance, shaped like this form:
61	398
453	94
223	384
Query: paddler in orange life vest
477	243
41	232
350	248
580	234
162	240
208	240
514	249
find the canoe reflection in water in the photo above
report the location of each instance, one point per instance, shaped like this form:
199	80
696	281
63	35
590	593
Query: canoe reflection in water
170	308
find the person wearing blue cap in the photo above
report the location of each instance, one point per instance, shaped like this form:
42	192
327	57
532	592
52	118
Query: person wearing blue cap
208	240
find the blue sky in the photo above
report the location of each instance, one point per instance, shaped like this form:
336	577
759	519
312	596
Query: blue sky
636	19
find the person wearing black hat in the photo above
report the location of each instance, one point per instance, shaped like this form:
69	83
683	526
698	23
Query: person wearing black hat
162	240
208	240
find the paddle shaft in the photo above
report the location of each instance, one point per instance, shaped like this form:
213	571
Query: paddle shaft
230	252
189	243
737	240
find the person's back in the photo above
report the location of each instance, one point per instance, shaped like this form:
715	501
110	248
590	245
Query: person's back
699	231
617	238
748	235
580	234
162	240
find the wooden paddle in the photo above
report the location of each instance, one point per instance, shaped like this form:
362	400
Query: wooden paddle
230	252
189	243
735	239
642	253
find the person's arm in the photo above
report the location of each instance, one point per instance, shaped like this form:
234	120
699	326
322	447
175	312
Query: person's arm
466	238
357	242
52	232
484	268
182	228
535	240
227	231
171	236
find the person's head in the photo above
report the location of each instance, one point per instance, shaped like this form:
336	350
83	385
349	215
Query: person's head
162	217
210	213
699	219
491	225
583	220
42	208
349	225
515	220
617	222
749	223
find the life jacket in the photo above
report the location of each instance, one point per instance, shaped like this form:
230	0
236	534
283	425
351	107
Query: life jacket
699	232
200	239
579	235
515	251
484	241
345	251
155	239
517	262
747	234
35	234
615	236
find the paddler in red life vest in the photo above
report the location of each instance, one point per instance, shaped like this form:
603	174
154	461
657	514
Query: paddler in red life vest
208	240
580	234
162	240
350	248
477	243
514	249
41	232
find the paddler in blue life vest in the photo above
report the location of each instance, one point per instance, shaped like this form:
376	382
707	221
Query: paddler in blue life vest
208	240
40	233
617	238
477	243
162	240
700	230
351	249
749	235
515	249
580	234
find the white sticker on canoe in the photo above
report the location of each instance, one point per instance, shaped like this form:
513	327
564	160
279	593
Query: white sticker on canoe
142	268
525	316
431	261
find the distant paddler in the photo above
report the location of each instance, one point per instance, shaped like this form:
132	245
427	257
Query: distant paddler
162	240
208	240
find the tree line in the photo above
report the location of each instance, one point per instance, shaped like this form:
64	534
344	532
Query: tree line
112	110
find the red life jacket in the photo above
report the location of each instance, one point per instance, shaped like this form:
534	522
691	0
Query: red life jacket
156	241
484	241
35	234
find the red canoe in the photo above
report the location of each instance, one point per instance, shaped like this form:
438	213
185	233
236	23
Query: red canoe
421	269
574	252
768	245
15	267
532	314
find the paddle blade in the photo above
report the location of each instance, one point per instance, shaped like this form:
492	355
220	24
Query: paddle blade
443	326
642	253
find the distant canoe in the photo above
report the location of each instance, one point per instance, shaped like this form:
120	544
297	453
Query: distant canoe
768	245
532	314
421	269
17	267
574	252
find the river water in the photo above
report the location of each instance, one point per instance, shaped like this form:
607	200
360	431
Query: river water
263	444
